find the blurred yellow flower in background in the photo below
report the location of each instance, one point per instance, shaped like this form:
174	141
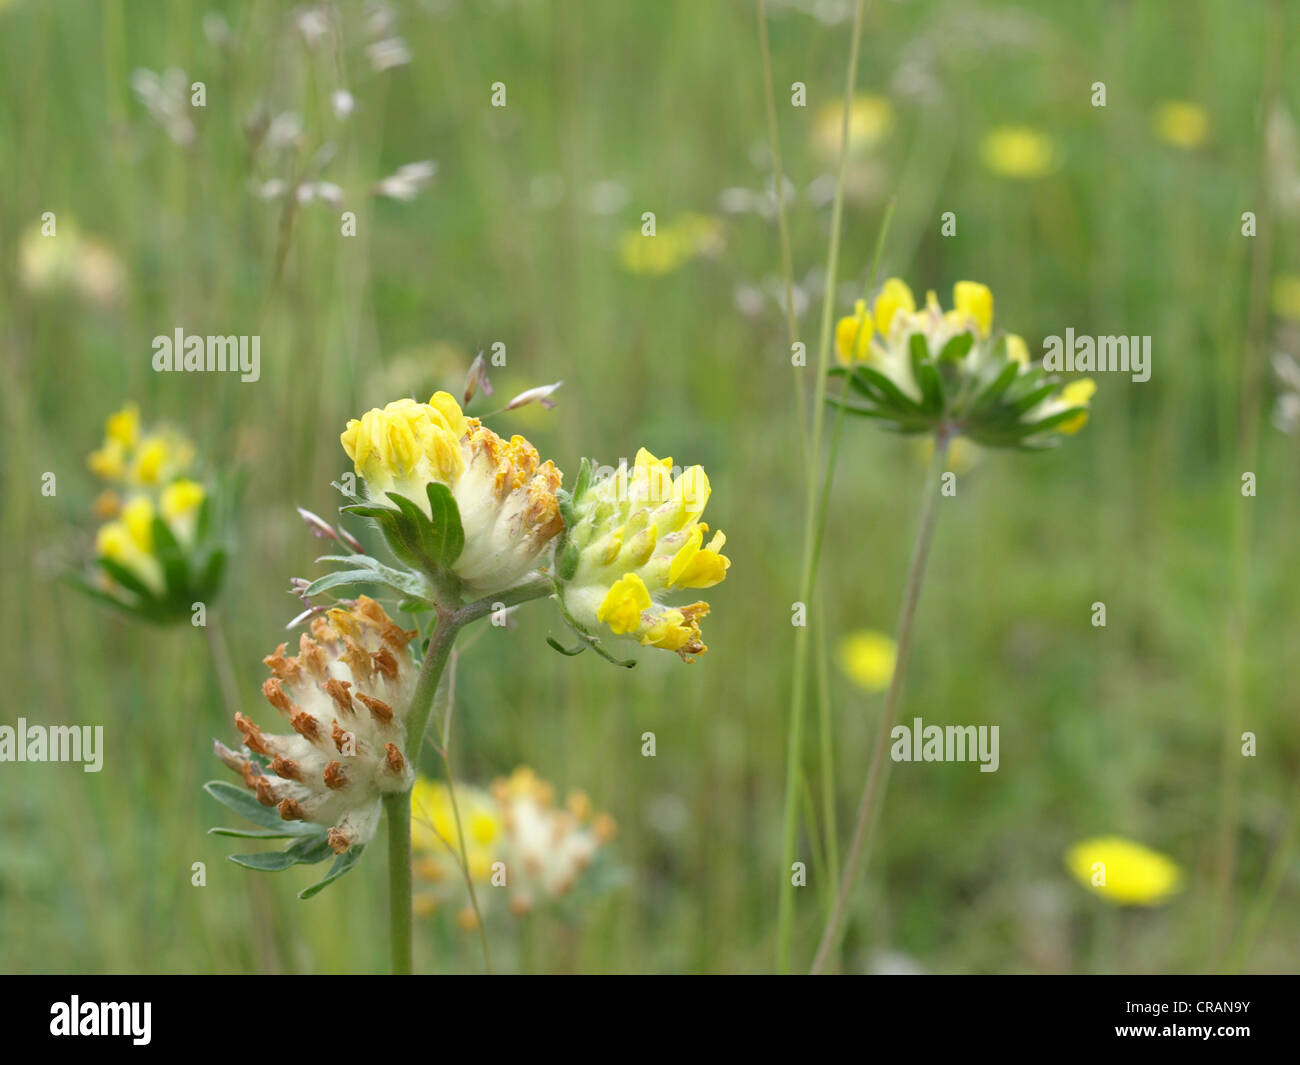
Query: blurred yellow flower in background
542	851
1180	123
1286	296
1123	872
672	246
156	557
67	261
867	658
870	120
1019	152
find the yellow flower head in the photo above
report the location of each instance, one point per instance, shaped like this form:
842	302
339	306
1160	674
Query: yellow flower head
1181	124
544	849
1123	872
1018	152
633	539
934	372
867	658
671	246
507	497
870	120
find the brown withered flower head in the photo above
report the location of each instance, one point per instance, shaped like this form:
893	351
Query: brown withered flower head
345	695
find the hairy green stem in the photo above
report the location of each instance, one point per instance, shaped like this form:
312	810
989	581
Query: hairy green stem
878	773
397	815
397	808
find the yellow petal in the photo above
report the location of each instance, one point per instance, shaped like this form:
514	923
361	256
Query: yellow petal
894	296
973	299
853	335
1017	349
138	515
623	603
181	498
123	426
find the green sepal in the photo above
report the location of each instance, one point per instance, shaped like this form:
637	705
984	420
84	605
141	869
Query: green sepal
566	565
244	804
341	865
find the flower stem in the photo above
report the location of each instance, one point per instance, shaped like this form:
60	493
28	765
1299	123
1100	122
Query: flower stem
397	814
397	808
878	773
798	686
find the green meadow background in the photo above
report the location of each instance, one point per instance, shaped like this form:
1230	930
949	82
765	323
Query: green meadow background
612	110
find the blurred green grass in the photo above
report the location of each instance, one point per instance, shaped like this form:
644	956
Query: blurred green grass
1105	730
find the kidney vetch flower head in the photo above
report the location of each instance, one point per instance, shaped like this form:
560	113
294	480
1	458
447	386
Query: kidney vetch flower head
157	550
633	540
423	456
541	853
345	696
928	370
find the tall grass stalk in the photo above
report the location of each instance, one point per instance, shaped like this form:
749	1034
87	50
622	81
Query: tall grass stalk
1247	451
798	687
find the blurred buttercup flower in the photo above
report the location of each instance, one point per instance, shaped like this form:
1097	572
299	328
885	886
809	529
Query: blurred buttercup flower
345	695
1181	123
672	246
1019	152
424	456
545	852
631	541
867	657
1123	872
157	549
870	120
947	373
